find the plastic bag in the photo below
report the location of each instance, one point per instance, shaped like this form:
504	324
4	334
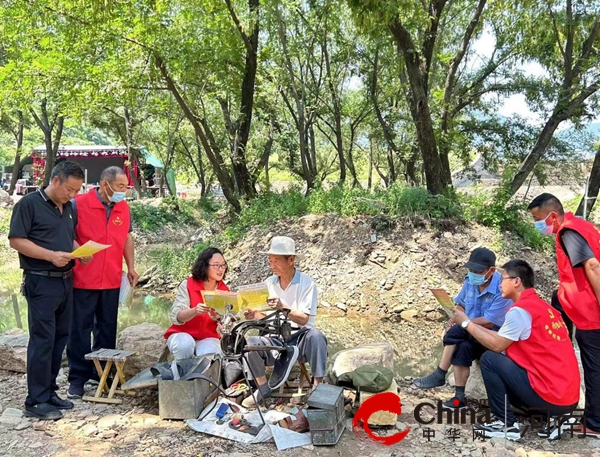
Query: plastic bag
126	292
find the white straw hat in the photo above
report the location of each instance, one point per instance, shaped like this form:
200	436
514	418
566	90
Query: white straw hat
283	245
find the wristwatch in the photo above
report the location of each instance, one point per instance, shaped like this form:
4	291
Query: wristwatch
464	324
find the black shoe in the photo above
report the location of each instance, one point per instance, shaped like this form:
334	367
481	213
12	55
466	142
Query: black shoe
283	367
75	391
59	403
430	381
43	411
454	403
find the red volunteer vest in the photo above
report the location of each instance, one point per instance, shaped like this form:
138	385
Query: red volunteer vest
547	355
201	326
575	292
106	268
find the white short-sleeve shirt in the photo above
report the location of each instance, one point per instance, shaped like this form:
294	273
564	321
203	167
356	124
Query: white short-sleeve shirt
300	294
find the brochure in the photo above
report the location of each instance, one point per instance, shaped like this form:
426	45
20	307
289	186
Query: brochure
445	300
89	248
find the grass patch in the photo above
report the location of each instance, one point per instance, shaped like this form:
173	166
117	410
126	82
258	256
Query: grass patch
148	218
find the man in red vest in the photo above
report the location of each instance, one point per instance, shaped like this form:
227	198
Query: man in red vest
102	216
531	360
577	254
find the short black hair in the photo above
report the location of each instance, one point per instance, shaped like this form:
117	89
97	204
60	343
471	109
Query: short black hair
548	202
65	170
522	270
200	268
110	174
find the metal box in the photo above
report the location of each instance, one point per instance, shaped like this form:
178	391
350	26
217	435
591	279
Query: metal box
185	399
326	415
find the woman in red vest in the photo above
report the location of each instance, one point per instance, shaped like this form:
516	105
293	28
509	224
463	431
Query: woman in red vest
194	331
531	360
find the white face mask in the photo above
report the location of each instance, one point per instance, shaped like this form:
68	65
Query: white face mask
116	197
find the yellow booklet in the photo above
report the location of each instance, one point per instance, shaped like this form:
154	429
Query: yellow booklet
254	297
222	301
444	299
89	248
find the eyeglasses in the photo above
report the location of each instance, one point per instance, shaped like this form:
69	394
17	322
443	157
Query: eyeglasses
218	266
509	277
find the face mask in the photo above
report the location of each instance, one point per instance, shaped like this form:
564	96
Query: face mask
116	197
475	279
543	228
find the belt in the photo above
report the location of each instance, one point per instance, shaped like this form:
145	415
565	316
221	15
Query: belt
51	274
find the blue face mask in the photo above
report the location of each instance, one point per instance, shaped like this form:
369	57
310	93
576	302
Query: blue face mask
543	228
116	197
475	279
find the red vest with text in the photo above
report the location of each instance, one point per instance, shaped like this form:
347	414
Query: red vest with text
575	292
547	355
106	268
200	326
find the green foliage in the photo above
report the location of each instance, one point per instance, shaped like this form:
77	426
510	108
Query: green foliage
513	217
401	200
170	211
4	221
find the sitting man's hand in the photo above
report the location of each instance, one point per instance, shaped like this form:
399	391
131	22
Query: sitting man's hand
276	304
249	314
459	316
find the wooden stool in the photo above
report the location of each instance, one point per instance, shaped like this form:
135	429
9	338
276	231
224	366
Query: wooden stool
300	394
110	356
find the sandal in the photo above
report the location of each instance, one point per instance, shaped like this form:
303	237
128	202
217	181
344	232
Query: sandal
245	427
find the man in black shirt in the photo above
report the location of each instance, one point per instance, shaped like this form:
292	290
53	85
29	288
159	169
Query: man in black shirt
43	232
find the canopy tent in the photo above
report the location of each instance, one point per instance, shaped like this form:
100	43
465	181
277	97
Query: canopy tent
94	159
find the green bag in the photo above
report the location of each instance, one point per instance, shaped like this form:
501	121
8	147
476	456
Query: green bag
368	378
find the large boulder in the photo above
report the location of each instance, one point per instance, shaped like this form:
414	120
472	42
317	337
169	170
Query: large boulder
475	388
147	340
13	350
366	354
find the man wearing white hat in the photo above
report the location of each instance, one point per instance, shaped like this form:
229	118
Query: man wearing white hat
295	294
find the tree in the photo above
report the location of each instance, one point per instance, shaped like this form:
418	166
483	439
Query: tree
15	126
571	30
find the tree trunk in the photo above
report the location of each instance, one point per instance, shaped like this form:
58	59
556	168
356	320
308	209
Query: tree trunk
435	175
592	190
139	182
17	162
370	178
210	148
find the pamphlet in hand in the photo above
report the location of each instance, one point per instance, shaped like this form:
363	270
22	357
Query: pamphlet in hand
444	299
89	248
126	292
222	301
254	297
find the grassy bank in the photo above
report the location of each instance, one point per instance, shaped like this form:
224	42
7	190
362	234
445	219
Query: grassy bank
396	204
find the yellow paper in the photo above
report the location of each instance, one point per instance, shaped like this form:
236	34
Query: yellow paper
254	297
220	301
444	299
89	248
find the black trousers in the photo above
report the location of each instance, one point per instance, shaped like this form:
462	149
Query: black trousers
501	377
94	311
589	347
555	303
467	347
49	301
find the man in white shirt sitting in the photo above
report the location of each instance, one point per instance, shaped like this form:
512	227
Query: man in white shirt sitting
295	294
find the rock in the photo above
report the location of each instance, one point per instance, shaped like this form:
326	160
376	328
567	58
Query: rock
90	430
520	452
24	424
109	421
381	417
364	354
11	416
147	340
409	315
475	388
13	350
341	306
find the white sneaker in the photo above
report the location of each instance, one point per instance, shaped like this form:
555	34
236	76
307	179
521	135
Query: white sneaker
255	398
496	429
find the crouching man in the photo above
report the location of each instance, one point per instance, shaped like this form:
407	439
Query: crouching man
295	294
531	360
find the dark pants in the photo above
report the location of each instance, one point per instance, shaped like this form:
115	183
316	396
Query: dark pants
49	302
503	377
557	305
467	347
589	347
93	311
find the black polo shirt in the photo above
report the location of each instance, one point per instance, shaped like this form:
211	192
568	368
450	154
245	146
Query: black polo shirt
37	218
